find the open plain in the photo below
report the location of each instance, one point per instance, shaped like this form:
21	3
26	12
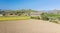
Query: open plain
29	26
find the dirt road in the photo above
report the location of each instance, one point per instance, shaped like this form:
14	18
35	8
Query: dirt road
29	26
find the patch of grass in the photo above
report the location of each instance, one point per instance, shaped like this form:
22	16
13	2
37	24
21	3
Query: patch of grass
53	15
54	21
4	18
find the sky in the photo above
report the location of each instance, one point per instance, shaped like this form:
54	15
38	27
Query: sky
30	4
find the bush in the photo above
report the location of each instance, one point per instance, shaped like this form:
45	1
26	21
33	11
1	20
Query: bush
58	18
54	21
44	16
35	17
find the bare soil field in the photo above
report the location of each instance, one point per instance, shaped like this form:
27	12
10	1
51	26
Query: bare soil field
29	26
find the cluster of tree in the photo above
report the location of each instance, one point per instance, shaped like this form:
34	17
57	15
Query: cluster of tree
55	11
17	11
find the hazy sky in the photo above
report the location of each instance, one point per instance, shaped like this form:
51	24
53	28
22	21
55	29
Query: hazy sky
30	4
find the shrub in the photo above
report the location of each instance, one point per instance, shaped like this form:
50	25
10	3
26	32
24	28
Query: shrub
44	16
58	18
35	17
54	21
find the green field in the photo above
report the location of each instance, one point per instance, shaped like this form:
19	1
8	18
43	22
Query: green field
4	18
53	15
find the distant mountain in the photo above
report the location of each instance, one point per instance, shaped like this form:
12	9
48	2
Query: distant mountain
54	11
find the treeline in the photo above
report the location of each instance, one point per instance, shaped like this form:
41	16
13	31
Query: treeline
17	11
55	11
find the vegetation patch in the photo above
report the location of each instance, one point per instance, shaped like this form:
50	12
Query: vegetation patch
35	17
44	16
54	21
4	18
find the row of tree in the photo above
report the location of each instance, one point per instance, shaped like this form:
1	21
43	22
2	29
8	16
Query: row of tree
17	11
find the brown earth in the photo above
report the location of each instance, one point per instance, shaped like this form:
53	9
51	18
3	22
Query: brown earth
29	26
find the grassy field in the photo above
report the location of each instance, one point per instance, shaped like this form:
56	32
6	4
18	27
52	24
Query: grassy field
53	15
4	18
